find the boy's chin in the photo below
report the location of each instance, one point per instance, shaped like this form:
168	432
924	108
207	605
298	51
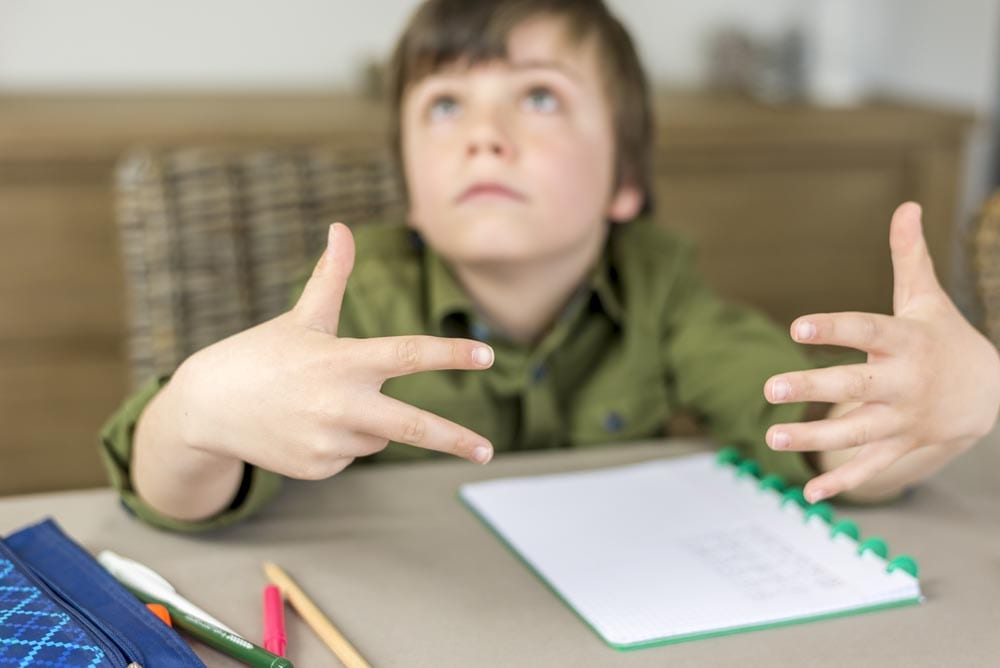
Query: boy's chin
495	239
487	236
470	253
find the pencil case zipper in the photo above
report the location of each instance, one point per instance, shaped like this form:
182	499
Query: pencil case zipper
116	648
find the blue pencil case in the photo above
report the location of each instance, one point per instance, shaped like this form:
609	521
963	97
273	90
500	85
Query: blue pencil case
60	608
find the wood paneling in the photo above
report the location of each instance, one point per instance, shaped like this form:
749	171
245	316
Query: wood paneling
790	241
53	402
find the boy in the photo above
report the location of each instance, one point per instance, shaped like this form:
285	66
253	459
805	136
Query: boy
530	309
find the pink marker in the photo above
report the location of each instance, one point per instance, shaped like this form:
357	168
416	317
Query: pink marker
274	621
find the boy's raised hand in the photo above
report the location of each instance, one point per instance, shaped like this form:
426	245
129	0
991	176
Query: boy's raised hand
290	396
930	387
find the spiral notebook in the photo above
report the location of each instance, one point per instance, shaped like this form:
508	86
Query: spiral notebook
691	547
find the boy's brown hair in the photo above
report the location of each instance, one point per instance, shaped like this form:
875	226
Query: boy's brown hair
442	32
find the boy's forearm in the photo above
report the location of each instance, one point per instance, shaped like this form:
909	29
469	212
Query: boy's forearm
174	478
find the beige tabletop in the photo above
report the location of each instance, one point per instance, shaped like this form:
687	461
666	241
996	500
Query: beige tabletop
413	579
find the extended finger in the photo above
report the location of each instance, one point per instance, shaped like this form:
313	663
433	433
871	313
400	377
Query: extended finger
319	304
870	332
835	384
863	425
393	356
870	460
912	267
395	420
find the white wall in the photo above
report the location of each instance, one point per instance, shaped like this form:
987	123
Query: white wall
924	48
191	44
235	44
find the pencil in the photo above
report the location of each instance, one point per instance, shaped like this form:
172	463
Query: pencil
316	620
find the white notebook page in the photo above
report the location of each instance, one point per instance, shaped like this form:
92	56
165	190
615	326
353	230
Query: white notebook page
680	546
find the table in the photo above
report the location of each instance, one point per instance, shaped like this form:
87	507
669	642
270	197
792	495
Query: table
413	579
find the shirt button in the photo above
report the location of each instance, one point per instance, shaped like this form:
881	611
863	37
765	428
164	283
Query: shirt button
538	373
479	331
614	422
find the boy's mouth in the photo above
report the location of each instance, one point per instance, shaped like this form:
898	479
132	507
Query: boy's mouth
489	189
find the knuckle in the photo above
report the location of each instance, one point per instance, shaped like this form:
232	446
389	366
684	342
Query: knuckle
310	466
413	431
408	353
373	445
858	385
332	414
910	381
869	328
463	444
800	386
860	436
854	478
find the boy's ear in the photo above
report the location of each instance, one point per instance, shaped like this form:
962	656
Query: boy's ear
625	204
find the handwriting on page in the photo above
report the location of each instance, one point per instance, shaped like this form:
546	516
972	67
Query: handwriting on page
760	563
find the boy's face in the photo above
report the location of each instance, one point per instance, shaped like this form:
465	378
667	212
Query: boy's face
513	161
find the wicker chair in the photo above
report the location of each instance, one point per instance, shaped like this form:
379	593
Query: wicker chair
213	238
984	254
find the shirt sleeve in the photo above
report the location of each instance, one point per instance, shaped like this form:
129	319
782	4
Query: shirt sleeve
718	357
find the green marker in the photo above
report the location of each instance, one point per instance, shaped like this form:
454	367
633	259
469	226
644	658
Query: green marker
229	643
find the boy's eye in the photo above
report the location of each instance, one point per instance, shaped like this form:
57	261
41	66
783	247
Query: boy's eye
541	99
443	107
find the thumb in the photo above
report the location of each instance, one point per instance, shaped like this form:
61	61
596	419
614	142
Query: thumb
912	267
319	305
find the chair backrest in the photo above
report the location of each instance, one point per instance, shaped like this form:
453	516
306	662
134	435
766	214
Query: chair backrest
213	238
984	254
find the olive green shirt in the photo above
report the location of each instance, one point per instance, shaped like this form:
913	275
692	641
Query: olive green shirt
643	338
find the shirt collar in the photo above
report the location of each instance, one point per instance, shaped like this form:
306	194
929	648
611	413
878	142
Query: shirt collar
453	313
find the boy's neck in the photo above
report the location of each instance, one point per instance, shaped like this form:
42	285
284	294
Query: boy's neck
522	301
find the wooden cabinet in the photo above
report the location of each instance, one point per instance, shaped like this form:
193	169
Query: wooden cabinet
790	208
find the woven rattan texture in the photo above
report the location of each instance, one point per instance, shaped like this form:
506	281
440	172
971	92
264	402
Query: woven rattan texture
985	258
214	238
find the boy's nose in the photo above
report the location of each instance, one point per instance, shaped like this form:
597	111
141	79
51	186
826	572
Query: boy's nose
488	138
494	146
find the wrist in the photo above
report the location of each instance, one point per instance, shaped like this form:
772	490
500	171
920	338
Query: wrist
177	479
184	399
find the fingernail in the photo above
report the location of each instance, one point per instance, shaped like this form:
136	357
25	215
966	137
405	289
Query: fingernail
482	454
329	239
483	356
816	495
780	390
805	330
780	440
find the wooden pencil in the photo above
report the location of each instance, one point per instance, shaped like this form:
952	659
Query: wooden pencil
316	620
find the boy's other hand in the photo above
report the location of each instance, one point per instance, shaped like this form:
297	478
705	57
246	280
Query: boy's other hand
929	390
290	396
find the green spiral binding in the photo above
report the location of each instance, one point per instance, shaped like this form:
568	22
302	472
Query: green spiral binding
794	494
903	562
773	481
728	455
874	544
821	509
748	467
846	527
731	456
